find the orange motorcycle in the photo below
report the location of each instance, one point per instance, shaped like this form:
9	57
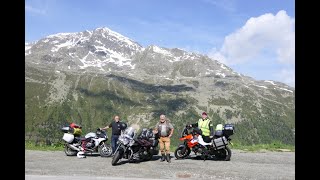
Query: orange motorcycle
193	142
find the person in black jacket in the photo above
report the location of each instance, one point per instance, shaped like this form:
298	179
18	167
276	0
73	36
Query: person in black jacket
117	127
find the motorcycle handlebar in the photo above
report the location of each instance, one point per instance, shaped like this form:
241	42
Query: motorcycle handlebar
188	126
99	129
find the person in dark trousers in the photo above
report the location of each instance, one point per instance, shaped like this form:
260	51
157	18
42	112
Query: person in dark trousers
116	131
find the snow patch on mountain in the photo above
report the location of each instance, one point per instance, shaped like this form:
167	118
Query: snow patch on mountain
113	57
59	35
223	67
209	71
261	86
27	47
118	37
55	42
27	53
270	82
286	90
161	51
98	41
220	74
67	44
72	55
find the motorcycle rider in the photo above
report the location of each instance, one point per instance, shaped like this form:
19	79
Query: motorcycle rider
77	129
206	126
165	130
117	127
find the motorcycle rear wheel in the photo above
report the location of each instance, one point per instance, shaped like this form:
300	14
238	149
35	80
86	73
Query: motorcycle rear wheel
69	152
225	154
179	155
115	158
105	150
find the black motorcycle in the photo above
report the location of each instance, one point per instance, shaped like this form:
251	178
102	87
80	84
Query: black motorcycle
134	149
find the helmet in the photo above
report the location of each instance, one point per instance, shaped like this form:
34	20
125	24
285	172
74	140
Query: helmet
197	131
80	154
74	125
123	126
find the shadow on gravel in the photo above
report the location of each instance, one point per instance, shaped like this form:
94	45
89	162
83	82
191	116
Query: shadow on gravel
92	155
122	162
156	158
199	158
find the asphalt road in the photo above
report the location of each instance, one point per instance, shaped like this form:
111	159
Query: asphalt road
49	165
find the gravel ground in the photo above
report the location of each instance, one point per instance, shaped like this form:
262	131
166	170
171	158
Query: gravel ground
243	165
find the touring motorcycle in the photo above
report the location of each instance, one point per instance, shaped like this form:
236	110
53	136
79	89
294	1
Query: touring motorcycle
193	141
93	142
137	149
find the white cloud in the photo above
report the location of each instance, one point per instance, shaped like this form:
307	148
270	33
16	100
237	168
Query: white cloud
267	37
31	9
274	33
218	56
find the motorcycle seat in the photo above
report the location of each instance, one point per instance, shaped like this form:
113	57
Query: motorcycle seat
218	133
80	138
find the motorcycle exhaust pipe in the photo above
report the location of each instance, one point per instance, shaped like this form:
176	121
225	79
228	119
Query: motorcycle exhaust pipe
73	147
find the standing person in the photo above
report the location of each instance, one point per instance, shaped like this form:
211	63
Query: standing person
165	131
116	126
206	126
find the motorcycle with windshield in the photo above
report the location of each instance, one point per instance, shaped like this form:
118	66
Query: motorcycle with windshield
136	149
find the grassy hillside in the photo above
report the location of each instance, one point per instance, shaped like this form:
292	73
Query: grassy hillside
54	99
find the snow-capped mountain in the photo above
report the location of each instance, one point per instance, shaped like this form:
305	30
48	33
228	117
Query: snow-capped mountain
98	48
103	50
113	72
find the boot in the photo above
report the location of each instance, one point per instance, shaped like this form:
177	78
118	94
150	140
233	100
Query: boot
168	158
162	158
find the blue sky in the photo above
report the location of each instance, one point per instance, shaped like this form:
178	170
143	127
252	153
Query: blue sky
255	38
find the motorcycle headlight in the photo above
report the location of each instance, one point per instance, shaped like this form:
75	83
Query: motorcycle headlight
124	141
131	142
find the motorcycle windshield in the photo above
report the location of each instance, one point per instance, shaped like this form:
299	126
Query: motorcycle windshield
129	132
124	140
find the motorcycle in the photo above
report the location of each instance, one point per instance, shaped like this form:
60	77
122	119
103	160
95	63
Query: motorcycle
193	141
137	149
93	142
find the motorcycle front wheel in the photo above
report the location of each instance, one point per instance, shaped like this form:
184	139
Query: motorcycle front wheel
69	152
179	154
116	158
105	150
